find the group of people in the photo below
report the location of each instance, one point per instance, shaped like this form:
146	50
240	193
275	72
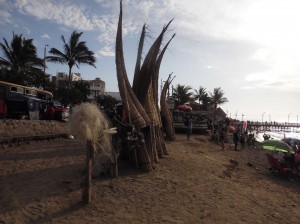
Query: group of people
220	136
243	138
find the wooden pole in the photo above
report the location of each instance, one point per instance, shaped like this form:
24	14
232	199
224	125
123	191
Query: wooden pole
87	183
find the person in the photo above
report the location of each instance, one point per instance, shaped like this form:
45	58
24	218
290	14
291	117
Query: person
296	147
243	140
222	137
189	125
3	106
215	137
50	111
235	140
250	140
266	137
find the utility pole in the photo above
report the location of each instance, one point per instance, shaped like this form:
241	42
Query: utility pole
45	59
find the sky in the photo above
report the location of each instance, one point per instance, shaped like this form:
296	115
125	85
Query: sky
249	48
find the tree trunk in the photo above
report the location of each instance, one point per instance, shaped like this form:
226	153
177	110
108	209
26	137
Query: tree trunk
69	86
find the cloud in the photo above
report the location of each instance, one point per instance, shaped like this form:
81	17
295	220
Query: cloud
27	30
105	51
211	67
271	79
5	17
5	13
59	12
258	76
45	36
247	87
262	54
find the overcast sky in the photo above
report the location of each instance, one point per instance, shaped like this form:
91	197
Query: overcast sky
249	48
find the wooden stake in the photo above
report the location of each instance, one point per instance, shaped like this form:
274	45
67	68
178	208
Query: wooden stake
87	184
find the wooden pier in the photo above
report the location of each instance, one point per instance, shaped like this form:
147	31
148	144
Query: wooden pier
272	126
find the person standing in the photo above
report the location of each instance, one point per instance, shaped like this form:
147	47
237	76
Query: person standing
243	140
222	137
235	140
189	125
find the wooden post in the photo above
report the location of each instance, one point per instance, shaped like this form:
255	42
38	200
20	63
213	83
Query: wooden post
115	154
87	183
114	165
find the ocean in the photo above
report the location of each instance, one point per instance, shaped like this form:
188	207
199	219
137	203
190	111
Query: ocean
277	135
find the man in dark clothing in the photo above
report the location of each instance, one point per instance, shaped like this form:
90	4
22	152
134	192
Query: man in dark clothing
235	140
222	137
189	124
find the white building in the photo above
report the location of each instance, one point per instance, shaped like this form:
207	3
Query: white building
97	88
62	78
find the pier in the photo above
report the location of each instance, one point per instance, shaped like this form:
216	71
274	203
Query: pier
272	126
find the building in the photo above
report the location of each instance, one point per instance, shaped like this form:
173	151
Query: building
97	88
62	78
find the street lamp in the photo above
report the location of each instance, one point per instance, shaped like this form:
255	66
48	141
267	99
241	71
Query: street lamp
242	117
45	59
289	117
262	117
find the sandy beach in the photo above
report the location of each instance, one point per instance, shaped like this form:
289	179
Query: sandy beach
196	183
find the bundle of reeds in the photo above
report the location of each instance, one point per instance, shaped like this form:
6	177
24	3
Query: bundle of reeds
165	112
141	100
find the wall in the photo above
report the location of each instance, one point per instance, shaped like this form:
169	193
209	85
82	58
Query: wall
16	128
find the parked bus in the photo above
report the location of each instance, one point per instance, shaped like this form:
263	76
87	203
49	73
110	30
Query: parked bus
22	102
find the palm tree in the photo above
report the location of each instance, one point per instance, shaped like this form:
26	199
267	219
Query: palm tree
181	94
217	98
205	101
74	52
20	60
199	94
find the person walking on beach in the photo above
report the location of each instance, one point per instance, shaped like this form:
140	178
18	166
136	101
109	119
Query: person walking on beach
235	140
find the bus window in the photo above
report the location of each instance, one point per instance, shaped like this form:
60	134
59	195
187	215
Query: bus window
17	89
41	96
44	96
31	92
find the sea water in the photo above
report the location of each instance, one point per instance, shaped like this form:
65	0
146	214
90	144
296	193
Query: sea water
277	135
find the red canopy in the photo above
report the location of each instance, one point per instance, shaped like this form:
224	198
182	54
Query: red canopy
184	107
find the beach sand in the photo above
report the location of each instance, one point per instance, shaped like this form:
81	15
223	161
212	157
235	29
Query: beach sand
195	183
